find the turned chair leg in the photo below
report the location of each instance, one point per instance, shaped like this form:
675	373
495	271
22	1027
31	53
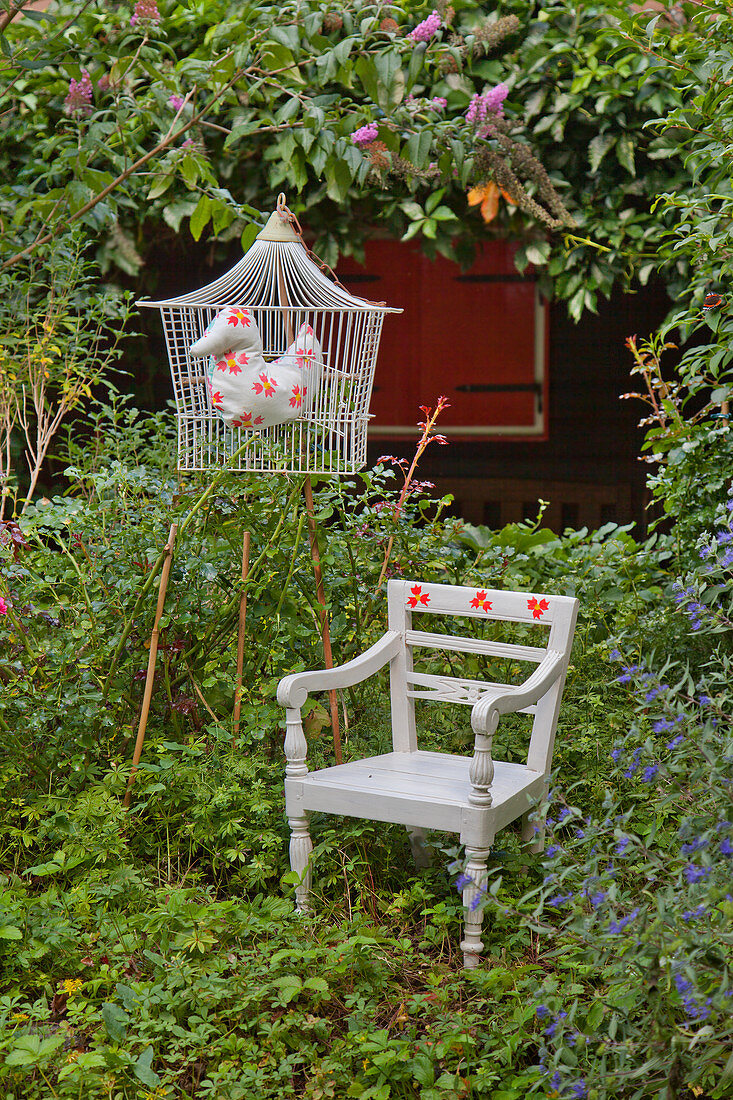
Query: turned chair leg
533	833
422	852
473	890
301	848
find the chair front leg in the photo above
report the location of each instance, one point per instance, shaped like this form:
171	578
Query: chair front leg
301	848
473	891
533	833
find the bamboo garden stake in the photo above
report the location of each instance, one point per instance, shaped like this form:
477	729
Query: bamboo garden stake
148	694
240	640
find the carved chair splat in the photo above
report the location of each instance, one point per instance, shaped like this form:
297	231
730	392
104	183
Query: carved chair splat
474	797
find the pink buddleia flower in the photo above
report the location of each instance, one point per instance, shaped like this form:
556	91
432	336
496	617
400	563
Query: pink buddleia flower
438	103
424	31
3	607
491	102
79	96
145	11
176	101
365	134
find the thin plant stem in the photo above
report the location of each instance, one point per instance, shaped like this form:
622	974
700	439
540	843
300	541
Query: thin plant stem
428	436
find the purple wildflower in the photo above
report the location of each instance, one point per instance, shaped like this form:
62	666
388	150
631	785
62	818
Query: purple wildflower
553	850
616	926
79	96
438	103
541	1011
649	772
695	872
676	741
726	848
579	1088
365	134
695	914
623	843
694	845
634	765
424	31
176	101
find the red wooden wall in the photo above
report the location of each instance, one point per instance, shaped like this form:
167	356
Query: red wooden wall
477	336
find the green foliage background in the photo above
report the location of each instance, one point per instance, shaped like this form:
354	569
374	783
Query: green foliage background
155	952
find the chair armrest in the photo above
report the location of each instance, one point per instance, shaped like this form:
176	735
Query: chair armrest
292	691
487	711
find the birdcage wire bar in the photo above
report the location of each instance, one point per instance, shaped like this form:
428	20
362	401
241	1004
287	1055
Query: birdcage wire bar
283	289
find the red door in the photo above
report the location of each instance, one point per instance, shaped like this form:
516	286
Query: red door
479	337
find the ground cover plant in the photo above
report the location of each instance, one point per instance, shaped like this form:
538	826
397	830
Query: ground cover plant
155	952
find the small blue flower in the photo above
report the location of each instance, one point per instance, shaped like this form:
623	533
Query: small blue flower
579	1089
695	914
623	843
726	848
616	755
662	724
649	773
682	984
676	741
553	850
616	926
695	872
541	1011
695	845
463	881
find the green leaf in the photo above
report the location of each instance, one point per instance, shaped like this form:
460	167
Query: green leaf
417	148
29	1050
538	252
10	932
142	1069
249	235
597	149
367	73
422	1069
159	185
625	153
200	216
189	171
115	1020
175	212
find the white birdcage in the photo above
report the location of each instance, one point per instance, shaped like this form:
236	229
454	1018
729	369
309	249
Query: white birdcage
278	286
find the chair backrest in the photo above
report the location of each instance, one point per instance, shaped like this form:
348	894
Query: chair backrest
407	598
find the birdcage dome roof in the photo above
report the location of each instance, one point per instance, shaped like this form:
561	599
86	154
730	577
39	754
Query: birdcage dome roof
275	271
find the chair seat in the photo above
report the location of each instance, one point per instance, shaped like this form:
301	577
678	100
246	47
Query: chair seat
425	789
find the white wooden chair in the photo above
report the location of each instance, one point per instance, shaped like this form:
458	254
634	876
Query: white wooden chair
474	797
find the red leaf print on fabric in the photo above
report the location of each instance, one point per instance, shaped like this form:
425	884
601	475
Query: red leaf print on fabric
479	600
245	421
297	399
239	317
537	607
418	597
266	385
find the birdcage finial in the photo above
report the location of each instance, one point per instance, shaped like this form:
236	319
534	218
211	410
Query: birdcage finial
280	225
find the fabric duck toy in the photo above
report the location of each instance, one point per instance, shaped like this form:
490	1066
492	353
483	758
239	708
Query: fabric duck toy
244	389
